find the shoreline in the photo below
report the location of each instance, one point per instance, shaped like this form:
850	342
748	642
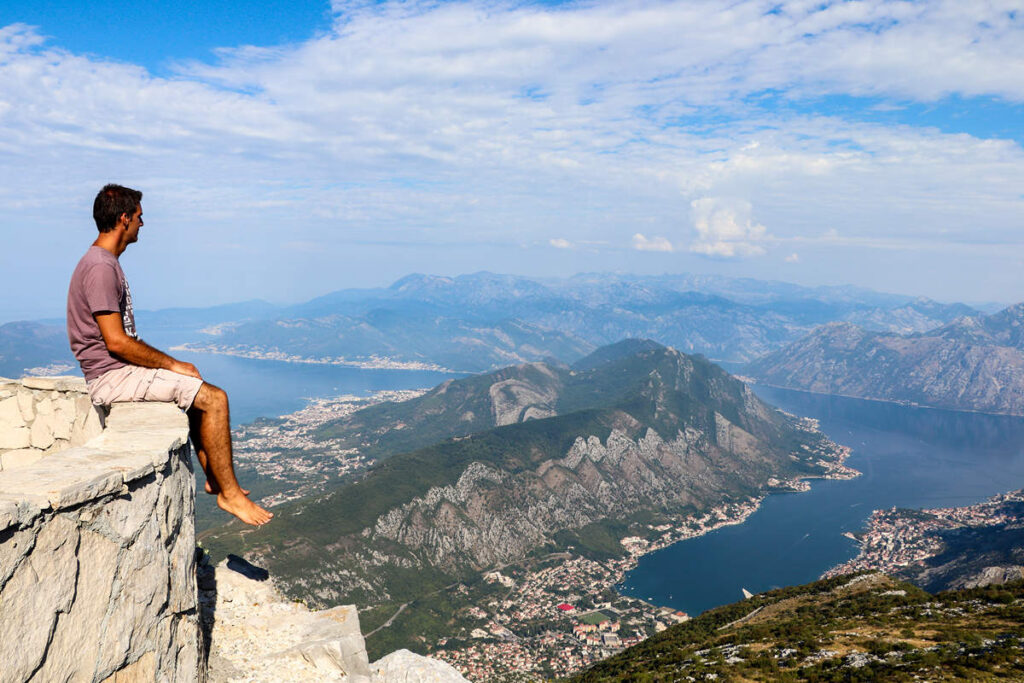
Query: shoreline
374	363
747	508
480	661
892	401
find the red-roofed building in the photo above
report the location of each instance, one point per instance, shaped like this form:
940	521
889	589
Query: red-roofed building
566	607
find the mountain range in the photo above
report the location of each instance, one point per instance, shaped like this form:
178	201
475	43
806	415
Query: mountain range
540	457
973	363
483	321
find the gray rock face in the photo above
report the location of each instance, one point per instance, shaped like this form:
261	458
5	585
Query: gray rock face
994	576
257	635
490	517
97	553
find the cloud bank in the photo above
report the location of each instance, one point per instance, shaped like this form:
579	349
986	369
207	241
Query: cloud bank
496	124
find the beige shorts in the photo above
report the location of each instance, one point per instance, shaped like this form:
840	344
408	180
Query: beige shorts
135	383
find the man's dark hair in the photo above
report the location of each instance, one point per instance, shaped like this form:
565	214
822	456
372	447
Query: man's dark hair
111	202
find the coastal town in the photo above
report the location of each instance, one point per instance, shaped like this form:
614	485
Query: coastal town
898	538
310	462
371	362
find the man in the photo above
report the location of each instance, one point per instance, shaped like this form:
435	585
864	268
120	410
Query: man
118	366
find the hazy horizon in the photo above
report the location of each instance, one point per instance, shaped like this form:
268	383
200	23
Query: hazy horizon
987	306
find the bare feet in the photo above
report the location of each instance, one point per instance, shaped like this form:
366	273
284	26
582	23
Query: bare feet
211	488
243	508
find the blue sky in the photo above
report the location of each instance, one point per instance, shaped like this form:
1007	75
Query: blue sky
287	149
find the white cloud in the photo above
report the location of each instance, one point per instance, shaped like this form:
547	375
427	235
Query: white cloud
559	243
428	122
641	243
725	228
793	258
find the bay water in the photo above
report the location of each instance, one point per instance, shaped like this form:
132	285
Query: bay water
909	457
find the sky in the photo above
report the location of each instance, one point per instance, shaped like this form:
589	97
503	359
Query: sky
288	149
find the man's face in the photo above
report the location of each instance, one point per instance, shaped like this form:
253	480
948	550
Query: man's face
134	223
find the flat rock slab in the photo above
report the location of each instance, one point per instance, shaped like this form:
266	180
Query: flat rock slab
138	440
61	486
59	383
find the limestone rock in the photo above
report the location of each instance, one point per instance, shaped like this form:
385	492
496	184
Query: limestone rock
403	666
17	437
56	383
44	584
10	414
42	430
96	547
259	636
61	486
64	659
26	404
19	458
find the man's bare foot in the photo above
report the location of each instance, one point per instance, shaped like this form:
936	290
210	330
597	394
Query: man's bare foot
212	488
243	508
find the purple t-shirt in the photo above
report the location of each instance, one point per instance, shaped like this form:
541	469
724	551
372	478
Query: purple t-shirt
98	285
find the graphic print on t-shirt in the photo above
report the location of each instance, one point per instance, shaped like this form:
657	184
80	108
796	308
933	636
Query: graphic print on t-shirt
128	316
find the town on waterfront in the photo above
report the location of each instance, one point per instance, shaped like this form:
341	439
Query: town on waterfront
900	538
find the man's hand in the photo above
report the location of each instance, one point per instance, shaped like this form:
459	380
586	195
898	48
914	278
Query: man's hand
136	351
183	368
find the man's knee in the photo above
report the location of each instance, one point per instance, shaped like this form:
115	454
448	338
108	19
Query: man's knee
211	397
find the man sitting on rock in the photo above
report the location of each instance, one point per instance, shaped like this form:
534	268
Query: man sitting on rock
118	366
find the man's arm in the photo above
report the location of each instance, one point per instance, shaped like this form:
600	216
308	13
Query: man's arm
136	351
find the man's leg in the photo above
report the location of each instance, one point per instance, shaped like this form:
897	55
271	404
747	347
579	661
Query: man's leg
194	432
214	430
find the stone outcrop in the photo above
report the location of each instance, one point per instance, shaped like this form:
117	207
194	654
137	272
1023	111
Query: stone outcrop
43	415
97	542
98	570
257	635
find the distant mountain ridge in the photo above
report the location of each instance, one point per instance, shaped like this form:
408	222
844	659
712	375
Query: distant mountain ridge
485	320
527	458
972	363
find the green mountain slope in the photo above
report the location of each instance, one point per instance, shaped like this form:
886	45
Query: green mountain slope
650	432
866	627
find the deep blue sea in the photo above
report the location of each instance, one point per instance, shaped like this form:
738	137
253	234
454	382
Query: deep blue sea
909	457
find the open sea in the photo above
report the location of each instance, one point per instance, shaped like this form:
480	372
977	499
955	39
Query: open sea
909	457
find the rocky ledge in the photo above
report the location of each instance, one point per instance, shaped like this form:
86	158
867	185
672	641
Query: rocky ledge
256	635
97	553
